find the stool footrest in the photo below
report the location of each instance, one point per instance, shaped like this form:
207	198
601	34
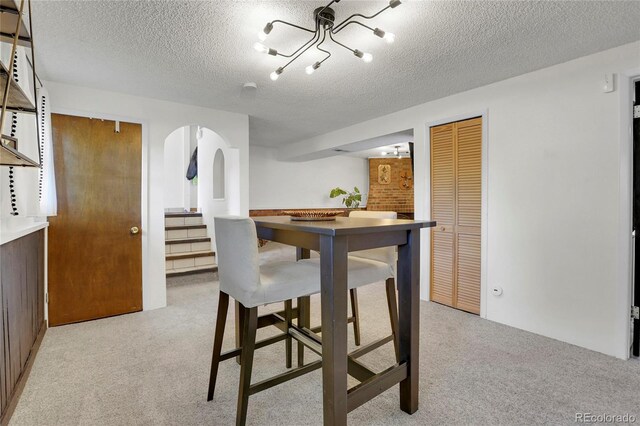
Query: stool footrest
284	377
363	350
260	344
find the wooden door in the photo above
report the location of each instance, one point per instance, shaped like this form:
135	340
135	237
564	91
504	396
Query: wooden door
95	261
456	188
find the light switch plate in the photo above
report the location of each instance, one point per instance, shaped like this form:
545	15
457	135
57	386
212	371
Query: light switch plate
608	83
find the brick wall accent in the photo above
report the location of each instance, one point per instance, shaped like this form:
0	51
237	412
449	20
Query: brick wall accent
392	196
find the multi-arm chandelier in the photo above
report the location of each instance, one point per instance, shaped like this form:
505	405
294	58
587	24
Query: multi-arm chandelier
324	18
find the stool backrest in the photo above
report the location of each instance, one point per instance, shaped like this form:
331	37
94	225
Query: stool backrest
238	259
382	254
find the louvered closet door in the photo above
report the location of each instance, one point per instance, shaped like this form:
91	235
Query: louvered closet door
456	170
442	211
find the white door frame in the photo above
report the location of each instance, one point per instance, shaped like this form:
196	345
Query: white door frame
484	212
624	284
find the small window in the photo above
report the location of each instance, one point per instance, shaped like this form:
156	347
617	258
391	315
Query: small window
218	175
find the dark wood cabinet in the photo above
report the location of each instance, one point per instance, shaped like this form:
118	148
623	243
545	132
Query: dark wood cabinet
22	321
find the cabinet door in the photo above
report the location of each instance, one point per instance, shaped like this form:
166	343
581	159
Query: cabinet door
13	266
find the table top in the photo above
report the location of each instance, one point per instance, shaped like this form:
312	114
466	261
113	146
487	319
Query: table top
342	225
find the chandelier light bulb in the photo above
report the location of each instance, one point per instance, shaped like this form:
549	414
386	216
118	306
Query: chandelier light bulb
264	49
262	35
367	57
388	37
260	47
274	75
311	68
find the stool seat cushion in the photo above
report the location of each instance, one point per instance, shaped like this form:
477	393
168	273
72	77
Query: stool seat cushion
361	271
285	280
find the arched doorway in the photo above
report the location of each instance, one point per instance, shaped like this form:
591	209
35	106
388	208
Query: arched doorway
191	204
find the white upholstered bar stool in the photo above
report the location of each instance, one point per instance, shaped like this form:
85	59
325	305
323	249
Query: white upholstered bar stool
386	256
368	267
252	285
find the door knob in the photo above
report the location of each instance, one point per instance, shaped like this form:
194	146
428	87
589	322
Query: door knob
442	228
134	230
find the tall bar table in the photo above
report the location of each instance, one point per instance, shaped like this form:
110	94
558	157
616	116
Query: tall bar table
334	240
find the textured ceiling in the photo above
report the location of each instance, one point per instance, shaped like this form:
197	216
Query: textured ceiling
200	52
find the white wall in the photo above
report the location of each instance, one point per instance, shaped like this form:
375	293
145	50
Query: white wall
283	184
159	119
177	192
558	213
208	205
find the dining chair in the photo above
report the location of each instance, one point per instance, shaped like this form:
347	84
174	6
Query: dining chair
243	278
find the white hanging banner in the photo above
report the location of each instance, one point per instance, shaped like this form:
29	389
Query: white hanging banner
47	179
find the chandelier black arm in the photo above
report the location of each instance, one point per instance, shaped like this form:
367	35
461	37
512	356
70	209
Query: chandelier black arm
353	22
342	24
316	37
322	50
291	25
337	42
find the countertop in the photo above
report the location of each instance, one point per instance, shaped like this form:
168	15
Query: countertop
18	230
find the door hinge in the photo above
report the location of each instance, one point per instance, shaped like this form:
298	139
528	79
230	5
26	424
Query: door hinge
46	297
636	111
635	312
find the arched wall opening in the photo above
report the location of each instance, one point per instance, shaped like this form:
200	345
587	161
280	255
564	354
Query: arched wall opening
215	191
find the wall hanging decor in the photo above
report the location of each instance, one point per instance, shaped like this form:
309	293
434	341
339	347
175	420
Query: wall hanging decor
384	174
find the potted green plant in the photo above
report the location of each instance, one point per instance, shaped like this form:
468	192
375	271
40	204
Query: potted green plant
351	199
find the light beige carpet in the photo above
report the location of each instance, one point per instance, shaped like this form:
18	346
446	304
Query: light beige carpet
151	368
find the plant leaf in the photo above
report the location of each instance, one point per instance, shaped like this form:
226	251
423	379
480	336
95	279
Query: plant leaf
335	192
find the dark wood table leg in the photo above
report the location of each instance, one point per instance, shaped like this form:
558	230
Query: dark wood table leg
304	307
409	318
333	291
